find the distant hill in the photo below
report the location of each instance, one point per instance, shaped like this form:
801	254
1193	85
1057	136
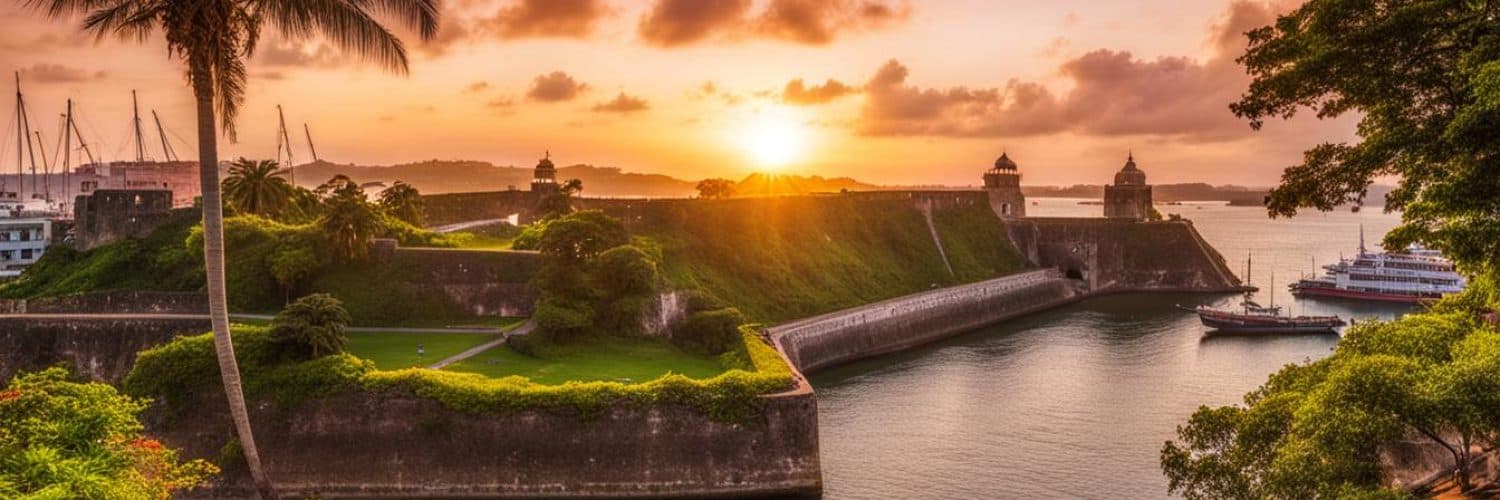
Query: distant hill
759	184
442	176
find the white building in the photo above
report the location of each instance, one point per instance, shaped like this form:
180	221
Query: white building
22	242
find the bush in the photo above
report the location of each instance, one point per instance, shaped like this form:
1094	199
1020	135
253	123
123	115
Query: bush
60	439
709	332
315	323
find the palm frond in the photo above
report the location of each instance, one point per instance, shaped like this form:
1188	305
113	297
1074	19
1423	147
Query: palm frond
419	15
348	24
130	21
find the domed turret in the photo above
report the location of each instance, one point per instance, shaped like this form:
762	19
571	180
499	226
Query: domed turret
1130	175
1004	163
544	178
1003	183
1129	197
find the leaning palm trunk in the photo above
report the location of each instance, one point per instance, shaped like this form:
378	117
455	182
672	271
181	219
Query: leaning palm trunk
213	266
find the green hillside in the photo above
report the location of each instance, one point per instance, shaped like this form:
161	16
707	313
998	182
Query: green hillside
784	258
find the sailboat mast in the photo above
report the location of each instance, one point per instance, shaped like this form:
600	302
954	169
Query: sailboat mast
310	145
166	149
46	169
25	124
79	133
67	163
286	139
140	146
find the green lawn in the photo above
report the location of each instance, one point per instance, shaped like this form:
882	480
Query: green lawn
612	359
392	351
503	323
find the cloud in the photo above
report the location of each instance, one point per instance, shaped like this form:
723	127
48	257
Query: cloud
555	87
57	73
622	104
294	54
476	87
710	90
548	18
672	23
798	93
894	108
1112	93
818	22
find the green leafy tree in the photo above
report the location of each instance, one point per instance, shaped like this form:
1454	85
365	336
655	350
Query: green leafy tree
291	264
402	201
716	189
579	237
257	188
1424	77
214	38
1315	430
560	203
349	221
61	439
316	322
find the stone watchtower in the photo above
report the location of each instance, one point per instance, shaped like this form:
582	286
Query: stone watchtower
1003	184
544	179
1130	196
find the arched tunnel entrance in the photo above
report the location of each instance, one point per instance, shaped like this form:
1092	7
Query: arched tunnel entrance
1074	273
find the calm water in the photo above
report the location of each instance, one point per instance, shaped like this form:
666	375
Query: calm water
1075	402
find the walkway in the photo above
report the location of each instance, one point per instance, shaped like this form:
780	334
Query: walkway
259	317
474	351
460	226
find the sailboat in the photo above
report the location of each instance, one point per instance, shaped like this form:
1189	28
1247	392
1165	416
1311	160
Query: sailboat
1255	318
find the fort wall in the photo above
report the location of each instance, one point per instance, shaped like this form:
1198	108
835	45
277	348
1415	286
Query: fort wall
1114	255
101	348
398	445
902	323
481	282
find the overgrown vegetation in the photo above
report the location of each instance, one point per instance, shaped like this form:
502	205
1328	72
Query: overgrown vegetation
315	323
61	439
1424	78
593	282
176	373
1315	430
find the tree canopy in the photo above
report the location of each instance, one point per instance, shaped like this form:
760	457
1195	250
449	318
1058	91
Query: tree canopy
1424	78
62	439
315	322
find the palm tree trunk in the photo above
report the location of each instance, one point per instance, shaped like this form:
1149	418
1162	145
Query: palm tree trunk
213	265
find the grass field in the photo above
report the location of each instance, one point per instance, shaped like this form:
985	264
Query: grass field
391	351
612	359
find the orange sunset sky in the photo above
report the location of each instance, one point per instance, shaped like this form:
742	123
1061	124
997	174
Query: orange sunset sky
886	91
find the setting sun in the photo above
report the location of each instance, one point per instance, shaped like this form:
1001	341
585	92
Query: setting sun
775	137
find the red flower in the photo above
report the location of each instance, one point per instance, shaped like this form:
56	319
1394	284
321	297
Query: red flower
9	395
146	444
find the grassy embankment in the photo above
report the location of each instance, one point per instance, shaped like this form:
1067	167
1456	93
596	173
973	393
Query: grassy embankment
779	259
177	372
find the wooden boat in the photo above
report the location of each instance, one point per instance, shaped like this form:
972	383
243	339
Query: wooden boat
1255	318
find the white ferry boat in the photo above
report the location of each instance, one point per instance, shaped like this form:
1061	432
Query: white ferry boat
1411	276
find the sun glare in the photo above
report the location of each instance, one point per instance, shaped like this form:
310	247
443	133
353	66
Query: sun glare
775	138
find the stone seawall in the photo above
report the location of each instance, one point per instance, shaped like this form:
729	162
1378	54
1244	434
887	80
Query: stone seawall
902	323
96	347
396	445
1116	255
111	302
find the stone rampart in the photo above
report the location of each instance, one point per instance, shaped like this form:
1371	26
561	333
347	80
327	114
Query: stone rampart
394	444
96	347
111	302
1114	255
481	282
902	323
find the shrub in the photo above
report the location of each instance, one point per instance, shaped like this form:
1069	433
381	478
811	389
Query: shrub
61	439
315	323
709	332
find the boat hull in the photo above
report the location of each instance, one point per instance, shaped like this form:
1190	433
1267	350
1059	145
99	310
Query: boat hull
1234	327
1316	291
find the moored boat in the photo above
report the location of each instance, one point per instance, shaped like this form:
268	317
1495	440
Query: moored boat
1411	276
1255	318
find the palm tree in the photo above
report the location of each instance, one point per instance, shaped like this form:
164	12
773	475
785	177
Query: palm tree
402	201
349	222
257	187
316	322
214	38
